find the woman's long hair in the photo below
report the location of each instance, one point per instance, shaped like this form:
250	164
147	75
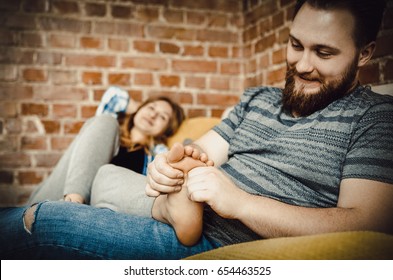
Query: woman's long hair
127	123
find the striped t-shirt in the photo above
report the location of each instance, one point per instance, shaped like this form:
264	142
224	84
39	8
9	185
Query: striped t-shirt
301	161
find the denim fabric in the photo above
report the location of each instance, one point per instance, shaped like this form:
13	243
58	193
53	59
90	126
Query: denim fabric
64	230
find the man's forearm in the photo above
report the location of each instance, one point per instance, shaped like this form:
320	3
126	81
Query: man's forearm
271	218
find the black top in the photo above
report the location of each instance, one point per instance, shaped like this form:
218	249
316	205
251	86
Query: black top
134	160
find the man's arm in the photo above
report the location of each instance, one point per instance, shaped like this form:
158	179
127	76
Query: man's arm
362	205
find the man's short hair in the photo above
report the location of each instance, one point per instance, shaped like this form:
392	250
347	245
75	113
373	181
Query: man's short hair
367	13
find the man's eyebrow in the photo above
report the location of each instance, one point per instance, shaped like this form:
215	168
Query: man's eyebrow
318	46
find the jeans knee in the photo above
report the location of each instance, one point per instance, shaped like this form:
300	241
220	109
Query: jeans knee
29	218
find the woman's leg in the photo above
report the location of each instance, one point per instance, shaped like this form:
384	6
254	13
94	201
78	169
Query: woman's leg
61	230
121	190
94	146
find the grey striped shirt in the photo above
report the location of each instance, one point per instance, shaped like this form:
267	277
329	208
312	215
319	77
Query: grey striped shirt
301	161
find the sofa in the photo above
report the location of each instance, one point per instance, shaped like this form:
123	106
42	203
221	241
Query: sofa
329	246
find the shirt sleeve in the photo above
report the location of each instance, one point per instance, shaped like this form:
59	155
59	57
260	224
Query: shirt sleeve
370	154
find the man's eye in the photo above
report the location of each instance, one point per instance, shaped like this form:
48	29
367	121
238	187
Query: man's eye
324	55
296	46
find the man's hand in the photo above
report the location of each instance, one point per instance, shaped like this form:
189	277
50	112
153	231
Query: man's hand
162	178
166	174
210	185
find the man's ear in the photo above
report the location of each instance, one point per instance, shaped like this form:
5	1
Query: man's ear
366	53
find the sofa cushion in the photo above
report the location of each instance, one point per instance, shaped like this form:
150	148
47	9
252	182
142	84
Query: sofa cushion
330	246
193	128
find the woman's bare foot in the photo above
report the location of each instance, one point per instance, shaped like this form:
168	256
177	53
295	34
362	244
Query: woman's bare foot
177	209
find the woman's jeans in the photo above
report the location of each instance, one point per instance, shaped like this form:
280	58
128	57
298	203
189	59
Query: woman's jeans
65	230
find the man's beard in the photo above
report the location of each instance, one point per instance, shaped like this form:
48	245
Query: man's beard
303	104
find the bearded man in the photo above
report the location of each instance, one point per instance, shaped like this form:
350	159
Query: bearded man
316	157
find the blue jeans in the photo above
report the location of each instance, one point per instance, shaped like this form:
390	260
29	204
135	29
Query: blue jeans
64	230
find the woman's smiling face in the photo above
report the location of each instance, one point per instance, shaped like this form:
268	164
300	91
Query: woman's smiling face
153	118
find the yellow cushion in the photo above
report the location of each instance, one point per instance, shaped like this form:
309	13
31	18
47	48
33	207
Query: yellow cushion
331	246
193	128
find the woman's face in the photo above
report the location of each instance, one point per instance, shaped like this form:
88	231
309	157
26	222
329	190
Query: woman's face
153	118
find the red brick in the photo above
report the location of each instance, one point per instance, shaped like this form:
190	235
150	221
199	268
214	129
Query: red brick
217	113
15	92
65	7
169	81
179	97
145	46
9	143
169	48
230	68
16	56
383	43
51	126
151	63
216	20
369	73
143	79
91	43
88	111
64	110
32	126
90	60
49	58
193	50
167	32
173	16
94	9
60	93
276	76
277	20
6	177
35	109
195	66
194	17
35	6
388	70
8	73
30	177
118	11
31	40
147	14
129	29
214	99
196	82
8	109
217	36
118	44
33	143
34	75
64	77
61	143
279	56
192	113
219	83
58	24
218	51
92	78
14	160
119	79
72	127
265	43
230	6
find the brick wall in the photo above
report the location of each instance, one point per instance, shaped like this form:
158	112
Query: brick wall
58	57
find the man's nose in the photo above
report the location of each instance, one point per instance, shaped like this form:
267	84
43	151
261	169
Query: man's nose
305	65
